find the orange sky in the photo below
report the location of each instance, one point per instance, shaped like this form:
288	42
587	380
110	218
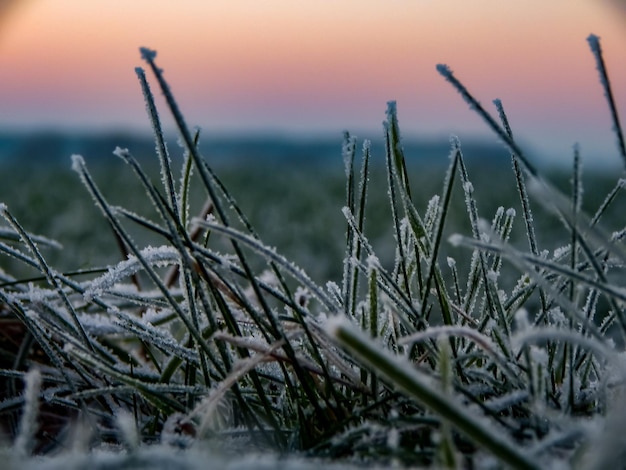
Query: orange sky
316	66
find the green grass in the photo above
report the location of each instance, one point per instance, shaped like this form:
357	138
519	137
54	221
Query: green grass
437	327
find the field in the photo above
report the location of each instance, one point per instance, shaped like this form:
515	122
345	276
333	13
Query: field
375	311
295	206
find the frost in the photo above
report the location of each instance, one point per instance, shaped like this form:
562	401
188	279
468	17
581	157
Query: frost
432	210
126	424
556	317
333	289
178	431
451	261
561	252
500	404
33	315
393	439
302	296
456	239
78	162
28	425
372	262
160	256
492	276
468	187
348	151
122	153
521	320
510	212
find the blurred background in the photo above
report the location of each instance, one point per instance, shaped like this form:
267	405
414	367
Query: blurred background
311	69
274	83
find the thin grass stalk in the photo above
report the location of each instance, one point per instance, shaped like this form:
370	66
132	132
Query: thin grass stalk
554	196
149	56
521	184
479	261
504	233
189	289
164	211
271	254
191	303
51	350
244	354
608	200
548	193
185	182
396	147
80	168
373	318
276	328
475	105
360	214
164	157
576	208
569	353
348	152
527	262
446	450
279	275
407	313
25	441
148	390
596	49
432	262
51	277
402	375
393	176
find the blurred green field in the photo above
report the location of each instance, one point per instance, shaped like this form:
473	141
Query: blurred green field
294	207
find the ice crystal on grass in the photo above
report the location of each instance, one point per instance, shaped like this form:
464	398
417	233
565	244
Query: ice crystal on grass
24	442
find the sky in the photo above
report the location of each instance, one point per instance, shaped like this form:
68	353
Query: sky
307	68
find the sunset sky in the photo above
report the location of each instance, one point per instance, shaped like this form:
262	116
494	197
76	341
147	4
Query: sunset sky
317	67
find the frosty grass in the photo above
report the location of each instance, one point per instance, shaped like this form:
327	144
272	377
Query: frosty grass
213	350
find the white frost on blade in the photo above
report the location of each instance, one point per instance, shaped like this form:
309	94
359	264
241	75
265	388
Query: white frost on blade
335	323
348	151
522	322
99	324
432	209
159	256
468	187
122	153
37	295
456	239
500	404
372	262
333	289
126	424
561	252
77	162
492	276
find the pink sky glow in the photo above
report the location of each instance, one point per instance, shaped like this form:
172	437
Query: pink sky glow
310	67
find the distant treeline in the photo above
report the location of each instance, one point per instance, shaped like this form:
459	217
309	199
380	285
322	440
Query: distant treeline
56	148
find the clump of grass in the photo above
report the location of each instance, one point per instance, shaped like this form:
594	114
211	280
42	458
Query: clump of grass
213	340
